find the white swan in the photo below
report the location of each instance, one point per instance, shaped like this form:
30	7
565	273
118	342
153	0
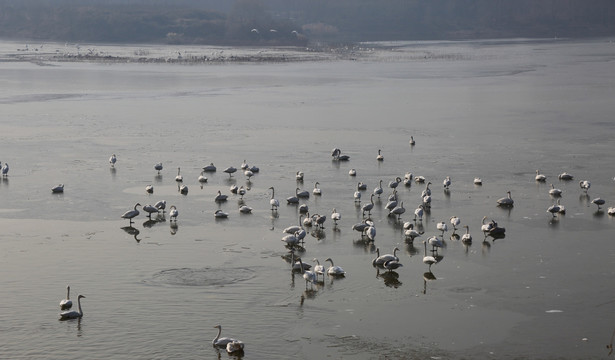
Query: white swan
58	188
245	209
244	165
161	205
506	201
150	209
565	176
220	214
378	190
611	211
220	197
352	172
427	191
357	195
447	182
411	233
209	168
183	189
442	227
428	259
392	265
585	185
149	189
379	157
398	210
394	183
273	201
478	181
554	191
158	167
368	207
299	175
418	213
540	177
179	178
381	259
435	243
303	194
112	160
370	232
221	342
334	270
316	190
319	269
173	213
67	303
130	214
320	220
5	169
467	237
455	220
202	178
230	170
234	347
335	216
72	314
248	173
412	142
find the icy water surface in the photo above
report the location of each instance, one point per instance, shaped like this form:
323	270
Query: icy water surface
498	110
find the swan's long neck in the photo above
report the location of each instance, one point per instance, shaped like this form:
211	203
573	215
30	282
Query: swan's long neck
272	193
67	292
217	336
79	303
331	261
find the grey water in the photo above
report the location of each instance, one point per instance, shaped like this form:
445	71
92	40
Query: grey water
498	110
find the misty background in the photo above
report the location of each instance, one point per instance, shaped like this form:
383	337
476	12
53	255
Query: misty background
296	22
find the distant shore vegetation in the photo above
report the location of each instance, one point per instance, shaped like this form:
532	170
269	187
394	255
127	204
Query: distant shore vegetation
297	22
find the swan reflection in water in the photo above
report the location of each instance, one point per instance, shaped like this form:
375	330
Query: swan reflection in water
391	278
132	231
427	276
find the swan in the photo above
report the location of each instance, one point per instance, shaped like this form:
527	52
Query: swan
412	142
370	232
58	188
291	240
381	259
297	264
273	202
598	202
241	191
233	189
316	190
179	178
112	160
442	227
202	178
303	209
428	259
308	275
418	213
320	220
486	228
299	175
562	208
5	169
408	179
585	185
244	165
398	210
379	157
291	229
334	270
308	220
392	203
565	176
427	191
378	190
293	199
245	209
158	167
419	179
554	191
352	172
248	173
173	213
220	197
447	182
234	347
319	269
467	237
209	168
67	303
149	189
303	194
357	195
553	209
361	186
435	243
611	211
368	207
161	205
478	181
130	214
230	170
150	209
411	233
221	342
394	183
183	189
540	177
254	169
392	265
455	221
337	155
72	314
335	216
506	201
220	214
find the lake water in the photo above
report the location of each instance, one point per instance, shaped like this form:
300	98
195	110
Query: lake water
498	110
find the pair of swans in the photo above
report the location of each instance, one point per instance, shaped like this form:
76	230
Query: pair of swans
231	345
66	304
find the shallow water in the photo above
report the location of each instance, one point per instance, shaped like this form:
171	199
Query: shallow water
497	110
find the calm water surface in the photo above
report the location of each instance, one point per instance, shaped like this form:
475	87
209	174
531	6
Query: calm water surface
496	110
